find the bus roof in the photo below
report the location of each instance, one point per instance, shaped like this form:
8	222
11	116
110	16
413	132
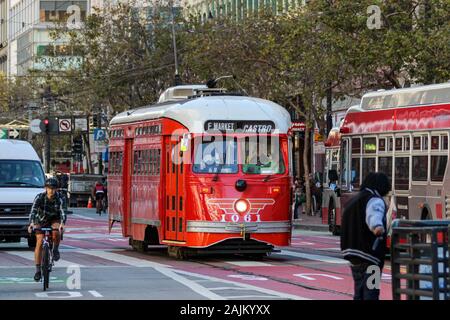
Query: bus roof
193	113
17	150
408	97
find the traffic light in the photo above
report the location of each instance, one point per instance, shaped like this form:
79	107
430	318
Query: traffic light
97	120
77	147
46	125
49	125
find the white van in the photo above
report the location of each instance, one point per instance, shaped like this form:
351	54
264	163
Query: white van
21	179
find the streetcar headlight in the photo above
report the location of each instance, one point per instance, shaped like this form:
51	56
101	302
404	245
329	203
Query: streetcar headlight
241	206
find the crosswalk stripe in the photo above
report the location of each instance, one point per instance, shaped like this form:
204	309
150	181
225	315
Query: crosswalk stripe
313	257
29	255
135	262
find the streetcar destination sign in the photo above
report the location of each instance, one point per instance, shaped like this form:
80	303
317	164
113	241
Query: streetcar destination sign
242	126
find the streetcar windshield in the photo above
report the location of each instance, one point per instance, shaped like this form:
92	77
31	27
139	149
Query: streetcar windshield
215	155
262	155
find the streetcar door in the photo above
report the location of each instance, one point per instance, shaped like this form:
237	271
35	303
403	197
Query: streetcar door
127	174
180	192
170	229
175	194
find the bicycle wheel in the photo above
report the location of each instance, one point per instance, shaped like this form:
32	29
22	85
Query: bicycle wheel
45	266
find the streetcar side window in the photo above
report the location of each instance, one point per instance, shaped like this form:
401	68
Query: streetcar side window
385	166
344	162
420	168
402	173
368	165
438	166
355	181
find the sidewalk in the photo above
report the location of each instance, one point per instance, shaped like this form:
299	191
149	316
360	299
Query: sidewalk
313	223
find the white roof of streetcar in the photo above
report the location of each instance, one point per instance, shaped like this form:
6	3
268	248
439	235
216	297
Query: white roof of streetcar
194	112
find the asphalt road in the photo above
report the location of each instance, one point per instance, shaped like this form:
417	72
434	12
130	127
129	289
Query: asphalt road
98	265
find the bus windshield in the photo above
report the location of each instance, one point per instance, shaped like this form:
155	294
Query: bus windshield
215	155
21	173
261	155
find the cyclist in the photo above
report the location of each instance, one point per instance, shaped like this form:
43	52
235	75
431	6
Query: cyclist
99	192
47	211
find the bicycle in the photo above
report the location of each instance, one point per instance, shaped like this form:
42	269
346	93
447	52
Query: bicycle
47	255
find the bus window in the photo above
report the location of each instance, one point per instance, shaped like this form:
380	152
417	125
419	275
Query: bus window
438	165
402	173
262	158
385	166
419	168
216	157
355	172
368	165
390	144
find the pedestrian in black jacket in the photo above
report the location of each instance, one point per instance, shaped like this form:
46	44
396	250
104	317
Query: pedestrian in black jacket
363	235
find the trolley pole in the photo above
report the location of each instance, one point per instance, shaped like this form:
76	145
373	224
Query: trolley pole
174	41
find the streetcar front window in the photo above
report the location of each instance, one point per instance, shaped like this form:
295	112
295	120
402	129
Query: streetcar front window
215	155
262	155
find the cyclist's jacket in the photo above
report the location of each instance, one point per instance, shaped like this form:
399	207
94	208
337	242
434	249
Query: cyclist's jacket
99	188
45	210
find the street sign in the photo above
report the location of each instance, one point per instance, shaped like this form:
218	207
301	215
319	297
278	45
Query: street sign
35	126
100	146
14	134
3	134
99	134
65	125
81	124
298	126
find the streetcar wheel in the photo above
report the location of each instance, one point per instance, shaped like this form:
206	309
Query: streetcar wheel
140	246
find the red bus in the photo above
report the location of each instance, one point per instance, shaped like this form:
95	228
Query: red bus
403	133
202	171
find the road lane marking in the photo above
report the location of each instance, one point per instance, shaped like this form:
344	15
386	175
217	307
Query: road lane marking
244	285
249	263
95	294
308	276
29	255
313	257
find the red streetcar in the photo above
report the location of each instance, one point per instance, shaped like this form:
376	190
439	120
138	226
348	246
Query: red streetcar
202	171
403	133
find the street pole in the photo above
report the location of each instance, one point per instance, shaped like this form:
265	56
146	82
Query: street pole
329	108
47	145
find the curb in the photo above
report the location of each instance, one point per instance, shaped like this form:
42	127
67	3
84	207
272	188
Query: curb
311	227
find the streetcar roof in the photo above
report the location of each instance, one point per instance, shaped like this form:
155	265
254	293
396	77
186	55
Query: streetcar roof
193	113
407	97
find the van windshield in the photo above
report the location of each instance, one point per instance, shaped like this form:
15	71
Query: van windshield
21	173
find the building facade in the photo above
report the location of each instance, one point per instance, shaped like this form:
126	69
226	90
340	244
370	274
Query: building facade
208	9
29	25
4	4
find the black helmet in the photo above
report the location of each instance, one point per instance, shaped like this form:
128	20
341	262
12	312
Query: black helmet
51	183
